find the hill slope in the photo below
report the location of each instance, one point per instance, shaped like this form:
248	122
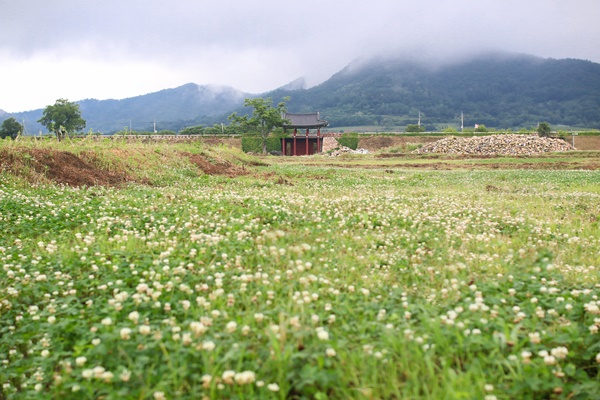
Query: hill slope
170	108
495	90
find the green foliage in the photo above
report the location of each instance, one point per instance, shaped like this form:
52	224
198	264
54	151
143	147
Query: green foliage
481	128
264	117
62	118
192	130
450	129
544	129
254	144
349	139
10	129
414	128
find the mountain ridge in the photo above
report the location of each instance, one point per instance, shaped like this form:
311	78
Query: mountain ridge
498	90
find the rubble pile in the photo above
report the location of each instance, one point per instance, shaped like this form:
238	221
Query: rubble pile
347	150
330	143
515	145
332	147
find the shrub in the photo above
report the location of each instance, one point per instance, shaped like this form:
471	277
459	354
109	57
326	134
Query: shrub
414	128
253	144
349	140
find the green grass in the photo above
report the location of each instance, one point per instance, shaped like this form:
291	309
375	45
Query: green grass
339	283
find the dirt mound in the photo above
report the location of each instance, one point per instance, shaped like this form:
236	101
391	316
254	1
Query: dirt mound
515	145
63	167
216	167
58	166
375	143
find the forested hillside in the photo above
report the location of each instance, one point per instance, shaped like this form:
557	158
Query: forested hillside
495	90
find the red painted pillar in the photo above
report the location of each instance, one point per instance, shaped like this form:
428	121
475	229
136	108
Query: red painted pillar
318	140
306	141
295	131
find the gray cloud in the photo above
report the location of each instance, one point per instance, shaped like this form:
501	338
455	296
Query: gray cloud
260	44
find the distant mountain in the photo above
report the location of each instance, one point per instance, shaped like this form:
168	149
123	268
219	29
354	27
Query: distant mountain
498	90
172	109
494	89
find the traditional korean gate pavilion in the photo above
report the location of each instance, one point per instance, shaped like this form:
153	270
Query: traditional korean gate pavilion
310	142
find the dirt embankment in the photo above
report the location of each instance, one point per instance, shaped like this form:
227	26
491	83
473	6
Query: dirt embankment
87	169
375	143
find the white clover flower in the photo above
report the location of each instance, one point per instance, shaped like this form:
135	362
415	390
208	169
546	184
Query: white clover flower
107	376
273	387
80	361
526	355
198	328
534	337
125	375
96	341
208	345
598	358
159	396
107	321
549	360
206	380
228	377
45	353
322	334
87	373
51	319
330	352
560	352
592	308
231	327
259	317
125	333
134	316
144	329
245	378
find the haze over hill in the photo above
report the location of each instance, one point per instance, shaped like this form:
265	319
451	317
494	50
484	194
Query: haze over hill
498	90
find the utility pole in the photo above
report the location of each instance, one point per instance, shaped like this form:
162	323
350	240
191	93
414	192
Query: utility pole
462	121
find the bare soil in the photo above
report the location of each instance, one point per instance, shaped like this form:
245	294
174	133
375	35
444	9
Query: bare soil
69	169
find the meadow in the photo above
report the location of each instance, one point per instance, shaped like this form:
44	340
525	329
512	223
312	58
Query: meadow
294	281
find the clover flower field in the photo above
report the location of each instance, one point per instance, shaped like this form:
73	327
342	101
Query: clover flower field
359	284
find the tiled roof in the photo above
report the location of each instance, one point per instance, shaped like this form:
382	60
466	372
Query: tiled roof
304	120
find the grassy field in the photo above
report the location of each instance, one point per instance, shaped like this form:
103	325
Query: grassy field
272	278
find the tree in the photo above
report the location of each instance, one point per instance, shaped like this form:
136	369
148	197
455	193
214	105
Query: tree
544	129
264	118
10	128
414	128
62	118
481	128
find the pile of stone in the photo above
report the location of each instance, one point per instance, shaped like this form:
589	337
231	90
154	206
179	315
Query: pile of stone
508	144
332	147
329	144
347	150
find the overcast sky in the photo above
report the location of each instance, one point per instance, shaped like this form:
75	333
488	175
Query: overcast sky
77	49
